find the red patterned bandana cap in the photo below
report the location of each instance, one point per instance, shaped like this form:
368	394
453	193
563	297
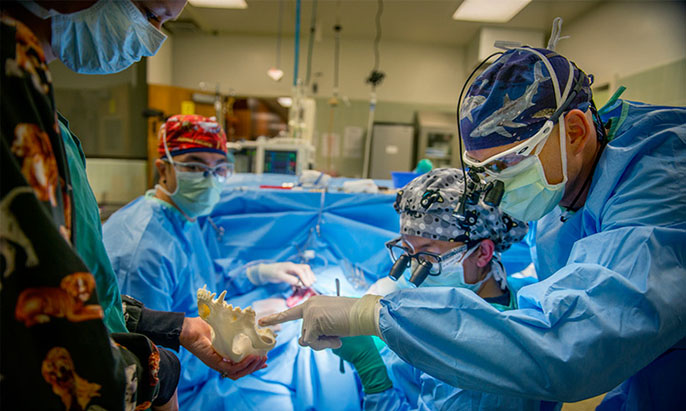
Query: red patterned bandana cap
187	133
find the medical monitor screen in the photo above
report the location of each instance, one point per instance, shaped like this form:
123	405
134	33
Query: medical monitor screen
280	162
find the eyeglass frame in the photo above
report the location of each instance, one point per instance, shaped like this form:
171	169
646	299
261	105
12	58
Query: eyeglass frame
206	170
439	258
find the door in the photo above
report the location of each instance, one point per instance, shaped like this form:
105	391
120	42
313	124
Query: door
392	149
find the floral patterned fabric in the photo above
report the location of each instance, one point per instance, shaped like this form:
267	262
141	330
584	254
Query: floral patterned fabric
186	133
56	352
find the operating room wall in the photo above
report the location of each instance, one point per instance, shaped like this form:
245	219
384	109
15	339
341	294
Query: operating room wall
419	77
665	85
348	163
160	66
104	112
622	39
632	43
416	73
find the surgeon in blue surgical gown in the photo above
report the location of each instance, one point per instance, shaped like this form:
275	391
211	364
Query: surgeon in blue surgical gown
463	254
607	194
157	250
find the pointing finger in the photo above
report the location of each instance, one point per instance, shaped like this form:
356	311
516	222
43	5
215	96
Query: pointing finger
291	314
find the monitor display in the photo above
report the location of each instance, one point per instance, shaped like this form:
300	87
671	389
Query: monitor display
280	162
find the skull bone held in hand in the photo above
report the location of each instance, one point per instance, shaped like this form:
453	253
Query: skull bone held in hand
234	333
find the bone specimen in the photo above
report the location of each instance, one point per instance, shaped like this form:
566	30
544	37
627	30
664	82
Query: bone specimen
234	333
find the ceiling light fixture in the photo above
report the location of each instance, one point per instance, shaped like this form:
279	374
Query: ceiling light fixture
220	4
285	101
275	73
492	11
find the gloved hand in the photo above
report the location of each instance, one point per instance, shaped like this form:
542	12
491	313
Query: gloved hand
286	272
362	353
325	319
269	306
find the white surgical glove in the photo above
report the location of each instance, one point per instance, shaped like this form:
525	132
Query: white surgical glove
291	273
267	307
326	319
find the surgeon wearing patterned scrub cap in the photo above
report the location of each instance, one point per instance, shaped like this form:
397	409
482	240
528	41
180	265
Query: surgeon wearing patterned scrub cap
463	252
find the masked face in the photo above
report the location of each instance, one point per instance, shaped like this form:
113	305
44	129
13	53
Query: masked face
197	185
422	256
195	194
199	177
452	274
105	38
528	195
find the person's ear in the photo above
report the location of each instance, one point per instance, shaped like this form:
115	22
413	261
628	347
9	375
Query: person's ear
164	171
485	253
579	130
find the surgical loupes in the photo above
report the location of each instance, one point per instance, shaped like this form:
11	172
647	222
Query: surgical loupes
399	266
421	272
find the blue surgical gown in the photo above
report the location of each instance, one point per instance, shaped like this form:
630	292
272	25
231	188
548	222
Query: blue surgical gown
610	309
161	259
416	390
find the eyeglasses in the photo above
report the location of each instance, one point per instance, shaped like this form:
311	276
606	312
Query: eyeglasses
498	163
398	252
221	171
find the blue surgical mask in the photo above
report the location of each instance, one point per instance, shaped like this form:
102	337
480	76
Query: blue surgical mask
105	38
452	274
528	195
195	194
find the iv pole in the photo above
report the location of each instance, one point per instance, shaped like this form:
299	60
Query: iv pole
375	78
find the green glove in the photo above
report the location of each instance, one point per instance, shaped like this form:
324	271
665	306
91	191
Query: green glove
363	354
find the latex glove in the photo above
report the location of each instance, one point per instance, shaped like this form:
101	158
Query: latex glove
267	307
286	272
362	353
196	337
326	319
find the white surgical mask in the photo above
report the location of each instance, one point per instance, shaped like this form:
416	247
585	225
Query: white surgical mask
105	38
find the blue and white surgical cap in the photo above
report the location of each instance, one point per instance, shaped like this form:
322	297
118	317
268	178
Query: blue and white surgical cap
427	203
511	100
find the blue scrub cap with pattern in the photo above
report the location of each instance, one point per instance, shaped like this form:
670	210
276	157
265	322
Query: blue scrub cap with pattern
427	203
511	100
